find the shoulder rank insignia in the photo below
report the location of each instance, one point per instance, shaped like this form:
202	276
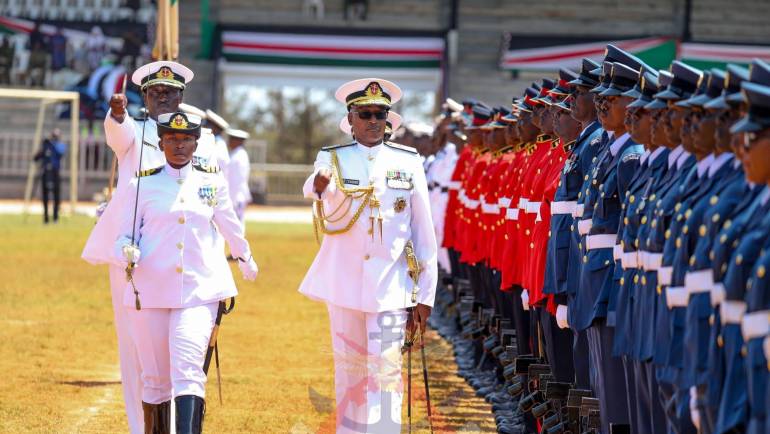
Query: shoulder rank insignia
401	147
206	168
333	147
149	172
596	140
146	143
630	156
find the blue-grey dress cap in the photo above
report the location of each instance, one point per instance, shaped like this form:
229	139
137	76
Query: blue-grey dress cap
759	72
757	117
618	55
636	91
649	86
664	79
529	93
469	101
734	76
587	78
714	86
535	86
700	90
623	79
565	104
684	83
606	77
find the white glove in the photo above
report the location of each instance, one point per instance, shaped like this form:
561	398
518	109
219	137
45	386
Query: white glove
694	413
525	299
131	254
249	269
561	316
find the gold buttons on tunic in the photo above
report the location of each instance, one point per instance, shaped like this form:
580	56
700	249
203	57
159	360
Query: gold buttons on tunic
739	259
714	200
366	257
702	230
179	245
179	269
181	220
761	271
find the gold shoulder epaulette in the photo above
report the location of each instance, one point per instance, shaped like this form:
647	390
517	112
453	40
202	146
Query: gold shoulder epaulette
401	147
149	172
207	169
544	137
332	147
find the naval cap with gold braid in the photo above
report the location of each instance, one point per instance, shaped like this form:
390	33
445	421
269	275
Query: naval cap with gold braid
162	72
179	122
368	91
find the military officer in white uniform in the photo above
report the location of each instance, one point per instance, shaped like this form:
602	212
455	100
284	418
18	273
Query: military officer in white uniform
179	273
237	172
372	207
162	85
218	127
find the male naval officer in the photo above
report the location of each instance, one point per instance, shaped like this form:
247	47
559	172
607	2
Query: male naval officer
376	269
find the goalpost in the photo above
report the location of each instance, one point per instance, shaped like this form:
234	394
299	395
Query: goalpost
48	97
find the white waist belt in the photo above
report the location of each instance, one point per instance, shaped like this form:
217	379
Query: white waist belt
563	207
755	325
455	185
523	203
664	275
504	202
584	226
578	211
533	207
490	208
512	214
676	296
700	281
731	311
651	261
617	252
629	260
604	241
718	294
472	204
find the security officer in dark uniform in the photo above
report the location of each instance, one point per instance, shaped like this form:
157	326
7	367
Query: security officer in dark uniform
49	157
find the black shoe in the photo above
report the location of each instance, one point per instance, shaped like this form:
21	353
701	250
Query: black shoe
157	418
189	414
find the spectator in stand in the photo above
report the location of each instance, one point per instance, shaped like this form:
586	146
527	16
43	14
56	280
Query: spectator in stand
58	50
96	47
38	63
7	53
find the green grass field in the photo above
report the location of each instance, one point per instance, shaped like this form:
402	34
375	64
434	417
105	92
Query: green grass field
59	358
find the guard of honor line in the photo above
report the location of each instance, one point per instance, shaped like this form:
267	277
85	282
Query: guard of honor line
596	252
607	245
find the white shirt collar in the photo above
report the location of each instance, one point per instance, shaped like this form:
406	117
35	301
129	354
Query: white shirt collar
719	161
674	155
737	163
682	158
618	143
644	157
654	155
703	165
765	196
178	173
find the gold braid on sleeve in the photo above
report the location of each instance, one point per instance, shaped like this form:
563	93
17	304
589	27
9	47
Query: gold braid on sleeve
320	219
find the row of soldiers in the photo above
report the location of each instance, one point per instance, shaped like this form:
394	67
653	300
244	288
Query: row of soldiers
605	263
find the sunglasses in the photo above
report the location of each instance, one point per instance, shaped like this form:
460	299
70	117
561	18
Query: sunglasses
366	115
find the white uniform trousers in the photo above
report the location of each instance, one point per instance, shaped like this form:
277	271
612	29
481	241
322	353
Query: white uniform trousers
367	369
240	211
130	371
172	344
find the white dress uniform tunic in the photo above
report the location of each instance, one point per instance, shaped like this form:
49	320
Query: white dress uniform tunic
440	175
181	275
362	277
124	138
237	174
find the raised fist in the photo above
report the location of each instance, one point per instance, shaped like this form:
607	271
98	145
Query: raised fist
321	181
118	104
